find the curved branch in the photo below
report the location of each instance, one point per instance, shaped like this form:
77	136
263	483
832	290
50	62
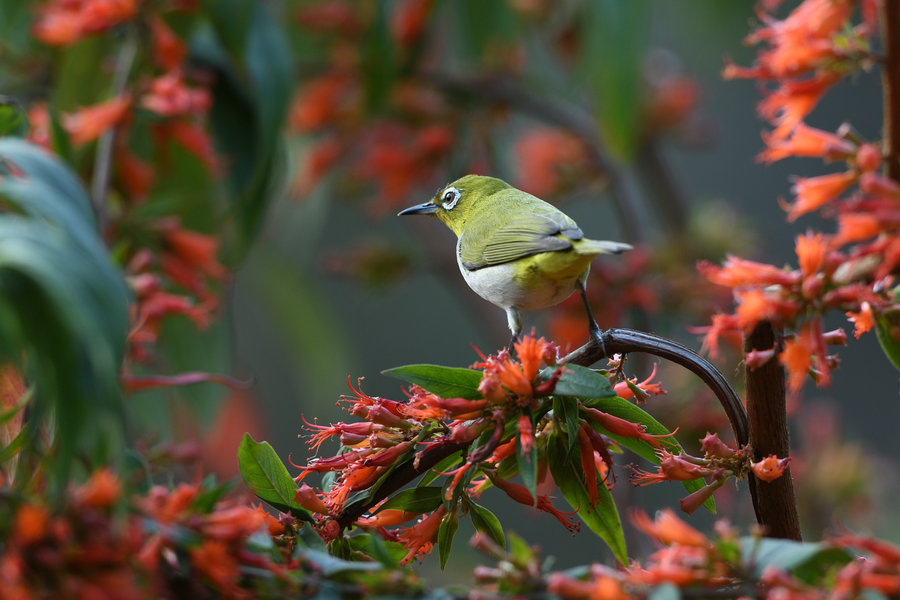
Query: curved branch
623	341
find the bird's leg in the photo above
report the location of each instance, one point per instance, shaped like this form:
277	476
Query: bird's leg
593	329
514	319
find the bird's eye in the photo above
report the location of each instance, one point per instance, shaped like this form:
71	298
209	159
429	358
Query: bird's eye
450	198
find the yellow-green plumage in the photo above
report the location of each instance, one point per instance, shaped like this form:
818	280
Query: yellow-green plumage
514	249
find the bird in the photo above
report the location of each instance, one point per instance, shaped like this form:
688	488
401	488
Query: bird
513	249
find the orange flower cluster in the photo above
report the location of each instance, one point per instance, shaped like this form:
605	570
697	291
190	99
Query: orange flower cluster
500	429
719	463
89	548
851	270
394	153
171	269
185	259
689	559
64	22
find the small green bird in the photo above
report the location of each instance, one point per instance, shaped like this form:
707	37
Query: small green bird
514	249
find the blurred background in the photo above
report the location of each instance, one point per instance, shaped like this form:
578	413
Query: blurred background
614	111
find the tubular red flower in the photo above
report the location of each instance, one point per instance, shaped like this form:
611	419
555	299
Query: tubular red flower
812	193
668	529
418	537
770	468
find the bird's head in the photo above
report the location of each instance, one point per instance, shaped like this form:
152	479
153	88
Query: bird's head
455	203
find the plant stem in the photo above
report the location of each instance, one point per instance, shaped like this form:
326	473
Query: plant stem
767	414
623	341
890	78
106	143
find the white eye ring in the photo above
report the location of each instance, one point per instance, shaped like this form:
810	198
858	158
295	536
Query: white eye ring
450	198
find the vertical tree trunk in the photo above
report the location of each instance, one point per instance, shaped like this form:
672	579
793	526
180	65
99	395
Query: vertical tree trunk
890	77
776	506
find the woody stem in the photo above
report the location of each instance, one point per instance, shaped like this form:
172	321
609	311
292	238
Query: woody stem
766	408
890	77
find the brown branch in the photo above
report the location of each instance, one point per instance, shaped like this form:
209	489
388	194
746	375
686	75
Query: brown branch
501	89
890	77
777	507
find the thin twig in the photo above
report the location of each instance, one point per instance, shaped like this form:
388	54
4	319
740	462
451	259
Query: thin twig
503	90
106	143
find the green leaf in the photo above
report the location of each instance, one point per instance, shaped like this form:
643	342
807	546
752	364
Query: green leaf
565	408
615	36
416	500
521	552
809	561
329	566
485	521
378	58
63	306
13	120
267	477
388	554
580	382
446	531
528	466
446	382
442	467
603	517
889	344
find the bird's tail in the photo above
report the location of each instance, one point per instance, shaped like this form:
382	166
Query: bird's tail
602	247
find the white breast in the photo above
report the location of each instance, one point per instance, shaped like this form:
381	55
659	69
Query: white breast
497	285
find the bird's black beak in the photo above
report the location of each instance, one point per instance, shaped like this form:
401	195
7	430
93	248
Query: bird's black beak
426	208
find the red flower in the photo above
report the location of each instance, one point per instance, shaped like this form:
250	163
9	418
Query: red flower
740	272
863	320
169	96
89	123
770	468
543	157
814	192
806	141
418	537
168	49
669	529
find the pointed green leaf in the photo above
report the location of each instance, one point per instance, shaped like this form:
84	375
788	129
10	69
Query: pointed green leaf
565	408
416	500
267	477
442	467
446	531
486	522
446	382
889	344
13	120
615	34
603	517
580	382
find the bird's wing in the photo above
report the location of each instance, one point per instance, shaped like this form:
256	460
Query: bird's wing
526	234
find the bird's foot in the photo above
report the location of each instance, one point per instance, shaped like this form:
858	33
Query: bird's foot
596	335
